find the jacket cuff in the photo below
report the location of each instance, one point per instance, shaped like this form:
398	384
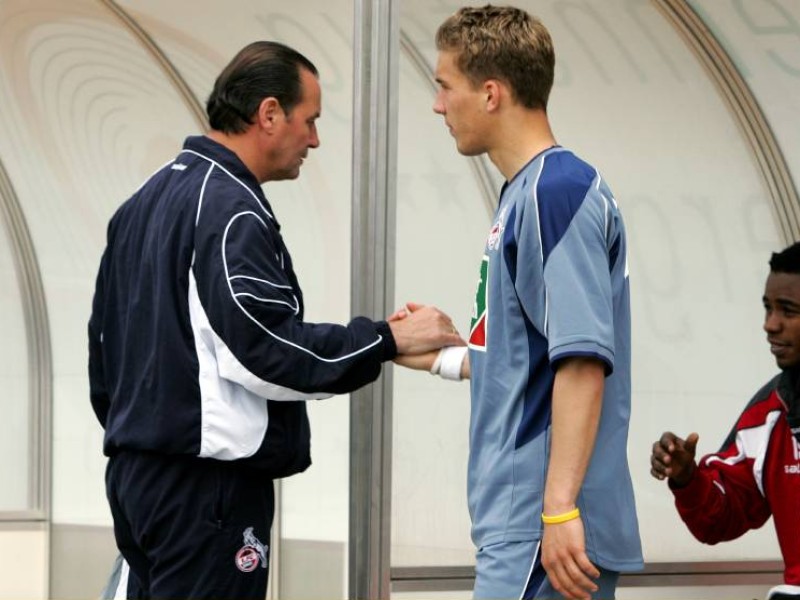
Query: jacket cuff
389	345
693	492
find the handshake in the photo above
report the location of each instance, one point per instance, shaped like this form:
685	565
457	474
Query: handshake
427	339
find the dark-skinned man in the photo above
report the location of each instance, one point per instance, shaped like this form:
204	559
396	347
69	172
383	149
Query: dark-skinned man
756	473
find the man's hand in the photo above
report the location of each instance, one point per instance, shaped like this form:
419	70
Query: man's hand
418	329
674	458
564	559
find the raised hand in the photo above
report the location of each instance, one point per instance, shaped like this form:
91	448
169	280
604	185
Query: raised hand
673	457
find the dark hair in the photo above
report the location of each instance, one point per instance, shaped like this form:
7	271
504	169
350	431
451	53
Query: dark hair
260	70
504	43
787	260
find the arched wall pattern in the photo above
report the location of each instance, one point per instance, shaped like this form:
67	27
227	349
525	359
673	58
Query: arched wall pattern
40	368
172	74
745	109
732	87
40	373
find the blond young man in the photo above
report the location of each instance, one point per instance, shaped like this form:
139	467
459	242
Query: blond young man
550	494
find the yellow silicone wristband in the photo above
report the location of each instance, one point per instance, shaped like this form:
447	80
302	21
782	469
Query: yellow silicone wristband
562	518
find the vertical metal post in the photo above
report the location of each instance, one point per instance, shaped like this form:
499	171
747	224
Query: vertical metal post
376	74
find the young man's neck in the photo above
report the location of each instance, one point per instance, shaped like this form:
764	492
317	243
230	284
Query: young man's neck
519	137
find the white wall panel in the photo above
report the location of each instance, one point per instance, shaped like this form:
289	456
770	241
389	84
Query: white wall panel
86	116
14	398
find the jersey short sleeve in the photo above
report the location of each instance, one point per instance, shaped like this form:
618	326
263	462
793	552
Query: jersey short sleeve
570	223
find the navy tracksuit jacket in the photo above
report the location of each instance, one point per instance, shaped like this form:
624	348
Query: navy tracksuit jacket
197	341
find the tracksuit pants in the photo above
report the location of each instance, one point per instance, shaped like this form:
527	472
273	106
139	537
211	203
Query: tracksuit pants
191	528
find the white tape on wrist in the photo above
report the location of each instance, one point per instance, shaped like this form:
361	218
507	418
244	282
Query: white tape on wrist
451	359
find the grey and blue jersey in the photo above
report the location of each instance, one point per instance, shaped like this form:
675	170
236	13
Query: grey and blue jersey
553	285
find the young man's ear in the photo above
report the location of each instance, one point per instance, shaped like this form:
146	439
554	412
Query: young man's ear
492	92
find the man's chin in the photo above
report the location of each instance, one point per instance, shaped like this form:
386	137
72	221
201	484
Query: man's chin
469	150
284	175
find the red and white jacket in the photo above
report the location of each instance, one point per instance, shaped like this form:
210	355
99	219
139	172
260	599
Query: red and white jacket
756	474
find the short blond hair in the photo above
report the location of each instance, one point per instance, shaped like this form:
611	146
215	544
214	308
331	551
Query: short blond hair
504	43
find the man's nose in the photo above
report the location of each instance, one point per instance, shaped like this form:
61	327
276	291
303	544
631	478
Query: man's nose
772	322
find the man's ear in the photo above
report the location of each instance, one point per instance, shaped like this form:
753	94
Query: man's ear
493	92
268	111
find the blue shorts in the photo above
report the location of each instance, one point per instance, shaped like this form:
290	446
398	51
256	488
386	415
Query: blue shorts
513	571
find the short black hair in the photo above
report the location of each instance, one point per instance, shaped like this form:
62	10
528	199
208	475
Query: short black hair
787	260
259	70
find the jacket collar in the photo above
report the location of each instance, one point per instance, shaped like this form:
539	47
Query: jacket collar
789	392
227	159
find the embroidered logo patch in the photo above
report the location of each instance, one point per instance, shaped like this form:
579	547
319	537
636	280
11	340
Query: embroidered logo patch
496	232
252	553
247	559
480	310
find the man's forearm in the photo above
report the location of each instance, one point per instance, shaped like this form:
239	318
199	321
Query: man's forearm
577	403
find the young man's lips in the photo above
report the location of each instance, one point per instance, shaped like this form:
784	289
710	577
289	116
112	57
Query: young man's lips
777	347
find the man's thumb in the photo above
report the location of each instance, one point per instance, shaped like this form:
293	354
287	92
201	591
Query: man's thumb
691	443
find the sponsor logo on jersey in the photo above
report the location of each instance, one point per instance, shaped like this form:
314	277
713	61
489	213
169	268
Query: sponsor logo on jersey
794	469
496	232
252	553
480	310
